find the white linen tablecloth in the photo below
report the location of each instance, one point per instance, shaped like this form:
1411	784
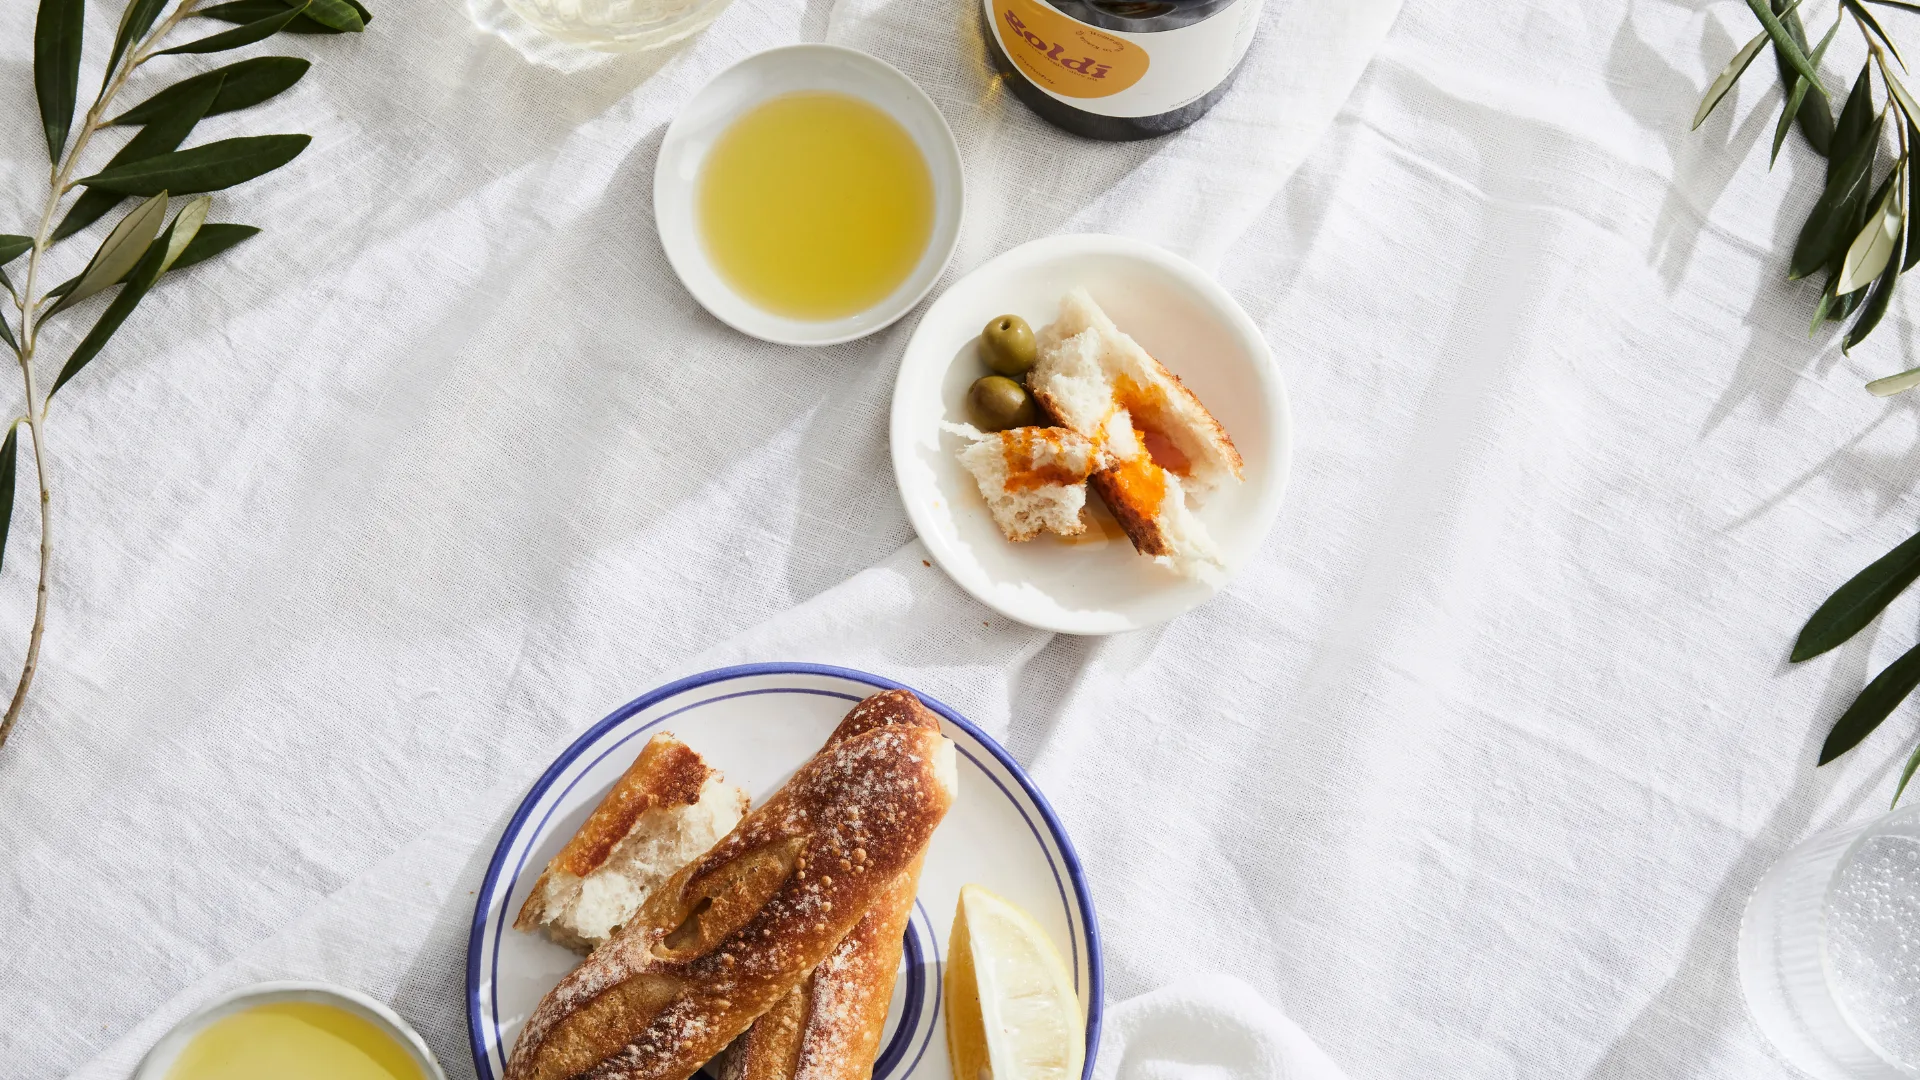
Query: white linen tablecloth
1469	774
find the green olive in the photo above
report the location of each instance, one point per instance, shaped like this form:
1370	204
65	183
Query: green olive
998	403
1007	346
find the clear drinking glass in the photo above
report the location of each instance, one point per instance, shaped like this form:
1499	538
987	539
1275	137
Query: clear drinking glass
619	25
1830	952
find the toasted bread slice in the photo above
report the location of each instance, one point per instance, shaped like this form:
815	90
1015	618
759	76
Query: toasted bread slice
1033	478
1163	443
664	812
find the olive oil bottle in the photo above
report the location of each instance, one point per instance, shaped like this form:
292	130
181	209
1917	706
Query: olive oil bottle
1119	69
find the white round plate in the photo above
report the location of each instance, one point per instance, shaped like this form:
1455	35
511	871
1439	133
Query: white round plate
738	89
159	1060
1097	584
757	724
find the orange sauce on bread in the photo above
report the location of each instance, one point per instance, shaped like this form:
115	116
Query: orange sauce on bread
1020	447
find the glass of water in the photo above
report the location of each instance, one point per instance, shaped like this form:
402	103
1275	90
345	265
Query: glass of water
1830	952
619	25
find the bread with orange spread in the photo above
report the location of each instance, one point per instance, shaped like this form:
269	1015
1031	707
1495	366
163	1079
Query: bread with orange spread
667	809
1033	478
1164	445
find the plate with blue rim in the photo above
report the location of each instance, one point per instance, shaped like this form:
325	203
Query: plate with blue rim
757	723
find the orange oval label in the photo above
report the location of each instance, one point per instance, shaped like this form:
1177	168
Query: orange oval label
1065	55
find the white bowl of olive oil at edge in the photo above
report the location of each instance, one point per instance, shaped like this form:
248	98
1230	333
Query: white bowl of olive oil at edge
160	1060
749	83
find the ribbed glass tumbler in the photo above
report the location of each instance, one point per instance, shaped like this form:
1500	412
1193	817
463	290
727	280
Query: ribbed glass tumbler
1830	952
619	25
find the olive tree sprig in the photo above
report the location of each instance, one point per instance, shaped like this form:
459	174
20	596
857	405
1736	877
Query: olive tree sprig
151	167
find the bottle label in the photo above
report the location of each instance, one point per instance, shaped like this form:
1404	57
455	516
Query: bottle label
1112	73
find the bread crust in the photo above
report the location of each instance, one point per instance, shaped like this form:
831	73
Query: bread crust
730	935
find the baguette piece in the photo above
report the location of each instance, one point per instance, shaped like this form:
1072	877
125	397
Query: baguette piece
829	1026
1164	444
666	809
1033	478
728	936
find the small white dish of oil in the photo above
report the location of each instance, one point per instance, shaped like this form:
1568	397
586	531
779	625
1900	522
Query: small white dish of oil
809	195
291	1031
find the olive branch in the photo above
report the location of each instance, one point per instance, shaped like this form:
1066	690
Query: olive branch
150	166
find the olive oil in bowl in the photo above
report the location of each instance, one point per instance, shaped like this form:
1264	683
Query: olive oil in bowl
815	205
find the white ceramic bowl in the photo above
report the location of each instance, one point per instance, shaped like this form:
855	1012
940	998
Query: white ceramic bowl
161	1058
748	83
1181	316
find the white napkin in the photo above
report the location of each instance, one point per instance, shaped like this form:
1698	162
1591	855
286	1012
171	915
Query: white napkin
1215	1028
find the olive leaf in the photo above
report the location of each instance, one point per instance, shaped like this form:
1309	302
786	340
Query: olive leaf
1814	114
212	167
1881	295
1873	247
1906	774
123	248
1860	600
1729	75
9	473
155	262
239	86
247	34
11	248
1887	690
1797	100
1895	384
1784	42
165	133
6	336
1860	11
1829	225
211	240
246	11
340	15
1856	118
56	67
135	21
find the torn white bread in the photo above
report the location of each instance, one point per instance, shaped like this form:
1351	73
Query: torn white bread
1164	444
1112	368
668	809
1033	478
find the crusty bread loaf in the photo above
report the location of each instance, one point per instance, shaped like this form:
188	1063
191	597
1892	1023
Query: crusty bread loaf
829	1026
666	809
1097	381
1033	478
733	932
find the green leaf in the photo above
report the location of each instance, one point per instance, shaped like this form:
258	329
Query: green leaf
246	11
6	335
1815	114
1906	774
1729	75
336	15
135	21
1873	24
1797	98
211	240
240	86
123	248
1881	295
212	167
1859	601
1784	42
56	68
258	30
154	263
11	248
1873	247
166	132
1831	224
1895	384
9	473
1887	690
1856	119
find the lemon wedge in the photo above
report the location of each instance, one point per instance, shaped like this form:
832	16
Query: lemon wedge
1011	1010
